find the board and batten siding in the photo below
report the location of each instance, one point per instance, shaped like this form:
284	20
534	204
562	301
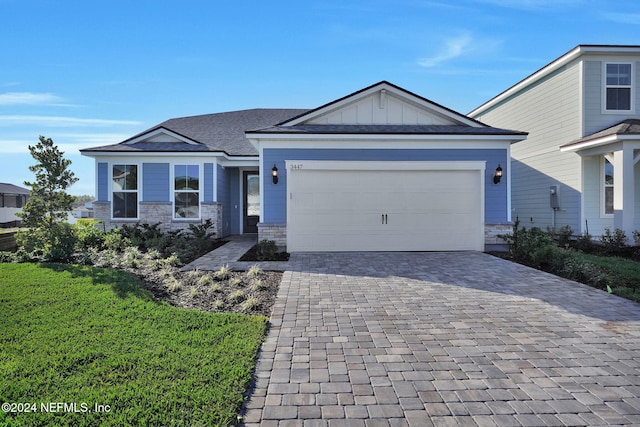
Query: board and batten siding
275	212
381	109
155	182
550	111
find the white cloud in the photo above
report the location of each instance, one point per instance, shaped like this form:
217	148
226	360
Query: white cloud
59	121
13	146
453	48
28	98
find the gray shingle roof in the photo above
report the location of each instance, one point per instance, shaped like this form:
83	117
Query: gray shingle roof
6	188
221	132
625	127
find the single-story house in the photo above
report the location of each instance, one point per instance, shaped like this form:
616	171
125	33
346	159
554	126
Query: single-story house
12	199
381	169
580	164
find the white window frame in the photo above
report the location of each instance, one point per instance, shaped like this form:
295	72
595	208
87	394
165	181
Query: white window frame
137	190
603	186
631	86
200	190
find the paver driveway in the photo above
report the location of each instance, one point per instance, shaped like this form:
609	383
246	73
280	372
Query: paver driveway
419	339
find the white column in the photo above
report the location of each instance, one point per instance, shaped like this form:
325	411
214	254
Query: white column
624	190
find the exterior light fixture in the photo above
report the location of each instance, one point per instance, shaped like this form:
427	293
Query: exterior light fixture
274	174
498	175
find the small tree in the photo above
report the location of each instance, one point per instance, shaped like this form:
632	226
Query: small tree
46	211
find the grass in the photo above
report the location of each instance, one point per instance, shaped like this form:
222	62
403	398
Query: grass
624	273
95	336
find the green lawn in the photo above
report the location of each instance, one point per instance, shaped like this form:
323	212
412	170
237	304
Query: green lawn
624	274
84	335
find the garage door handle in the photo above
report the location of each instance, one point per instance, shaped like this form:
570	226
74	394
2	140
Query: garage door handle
384	219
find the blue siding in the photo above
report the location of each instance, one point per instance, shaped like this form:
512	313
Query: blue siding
208	183
223	197
103	182
155	182
234	200
275	209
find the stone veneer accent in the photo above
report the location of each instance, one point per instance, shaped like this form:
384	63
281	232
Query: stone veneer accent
275	232
160	212
492	231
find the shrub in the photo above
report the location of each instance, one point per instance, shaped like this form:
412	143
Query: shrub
249	304
613	242
145	236
237	296
116	241
254	271
584	242
266	250
88	234
256	285
564	235
529	246
201	231
222	273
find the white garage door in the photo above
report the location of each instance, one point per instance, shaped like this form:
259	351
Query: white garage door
385	206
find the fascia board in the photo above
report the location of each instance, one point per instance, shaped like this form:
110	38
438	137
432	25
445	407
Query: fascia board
258	138
597	142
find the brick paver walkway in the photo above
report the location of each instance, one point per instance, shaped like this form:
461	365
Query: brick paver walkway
424	339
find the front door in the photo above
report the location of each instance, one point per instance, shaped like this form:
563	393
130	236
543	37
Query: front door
251	194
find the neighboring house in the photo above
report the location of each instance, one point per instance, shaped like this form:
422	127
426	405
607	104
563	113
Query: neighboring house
379	169
579	164
80	212
12	199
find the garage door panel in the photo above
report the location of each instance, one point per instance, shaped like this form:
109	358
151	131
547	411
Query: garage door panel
372	210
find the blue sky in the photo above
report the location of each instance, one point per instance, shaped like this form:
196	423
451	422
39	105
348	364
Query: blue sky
89	73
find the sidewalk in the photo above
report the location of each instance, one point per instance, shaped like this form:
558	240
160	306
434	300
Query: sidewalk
229	253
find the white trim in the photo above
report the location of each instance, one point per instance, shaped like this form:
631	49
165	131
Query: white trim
597	142
161	131
172	189
509	183
241	196
232	160
401	165
396	140
631	86
581	98
138	189
601	184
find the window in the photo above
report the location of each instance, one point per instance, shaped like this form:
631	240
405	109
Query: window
618	87
125	191
186	186
607	184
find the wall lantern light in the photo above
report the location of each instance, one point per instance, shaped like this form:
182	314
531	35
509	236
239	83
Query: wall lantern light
274	174
498	175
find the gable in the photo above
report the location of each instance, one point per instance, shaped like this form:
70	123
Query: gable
160	135
382	104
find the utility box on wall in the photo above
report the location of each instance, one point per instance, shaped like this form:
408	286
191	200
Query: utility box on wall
554	197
